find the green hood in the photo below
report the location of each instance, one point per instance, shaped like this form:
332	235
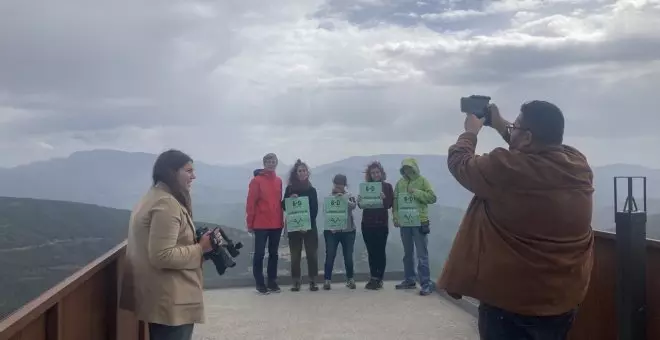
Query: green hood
411	162
422	190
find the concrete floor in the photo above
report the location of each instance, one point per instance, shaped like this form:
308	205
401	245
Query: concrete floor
337	314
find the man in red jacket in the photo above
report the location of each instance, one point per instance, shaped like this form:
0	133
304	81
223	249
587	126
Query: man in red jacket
264	219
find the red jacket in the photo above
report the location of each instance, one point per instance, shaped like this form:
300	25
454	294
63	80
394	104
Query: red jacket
263	208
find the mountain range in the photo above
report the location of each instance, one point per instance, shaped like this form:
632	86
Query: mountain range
118	179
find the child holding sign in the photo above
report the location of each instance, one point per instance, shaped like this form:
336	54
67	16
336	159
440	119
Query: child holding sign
412	195
301	206
339	229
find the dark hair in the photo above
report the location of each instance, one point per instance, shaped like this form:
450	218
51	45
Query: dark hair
544	120
165	171
294	181
340	179
373	165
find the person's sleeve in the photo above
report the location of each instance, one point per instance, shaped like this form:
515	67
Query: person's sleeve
425	194
475	173
164	253
250	206
395	212
287	193
352	203
313	204
389	196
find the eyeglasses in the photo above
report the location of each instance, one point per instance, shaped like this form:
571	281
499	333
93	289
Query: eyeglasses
511	127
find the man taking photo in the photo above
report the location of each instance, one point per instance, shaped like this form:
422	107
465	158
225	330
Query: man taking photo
264	219
525	246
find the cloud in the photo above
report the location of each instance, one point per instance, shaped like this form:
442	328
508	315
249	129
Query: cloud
230	81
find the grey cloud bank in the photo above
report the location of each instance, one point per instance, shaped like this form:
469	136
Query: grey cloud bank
320	80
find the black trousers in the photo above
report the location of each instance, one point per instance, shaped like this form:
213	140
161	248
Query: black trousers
375	239
165	332
310	240
498	324
263	238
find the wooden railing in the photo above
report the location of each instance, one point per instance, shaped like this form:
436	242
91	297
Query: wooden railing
82	307
597	318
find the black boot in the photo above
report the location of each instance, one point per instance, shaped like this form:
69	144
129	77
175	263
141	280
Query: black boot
296	286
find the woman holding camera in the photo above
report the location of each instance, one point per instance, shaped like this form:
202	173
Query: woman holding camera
299	185
162	279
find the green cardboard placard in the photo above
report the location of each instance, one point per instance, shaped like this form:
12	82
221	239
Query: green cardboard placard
370	195
407	210
336	213
297	214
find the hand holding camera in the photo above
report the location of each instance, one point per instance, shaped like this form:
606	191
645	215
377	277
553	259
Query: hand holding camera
205	242
479	112
222	248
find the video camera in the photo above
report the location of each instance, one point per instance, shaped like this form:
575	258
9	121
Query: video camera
224	249
478	106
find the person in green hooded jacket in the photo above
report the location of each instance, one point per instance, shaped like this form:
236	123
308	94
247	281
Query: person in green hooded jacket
412	195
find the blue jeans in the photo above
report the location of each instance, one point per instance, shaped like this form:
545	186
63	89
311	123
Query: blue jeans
498	324
415	242
332	242
263	237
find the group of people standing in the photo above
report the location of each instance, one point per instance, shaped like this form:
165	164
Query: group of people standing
524	248
265	219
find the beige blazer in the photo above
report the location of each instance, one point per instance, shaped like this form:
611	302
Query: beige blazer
162	275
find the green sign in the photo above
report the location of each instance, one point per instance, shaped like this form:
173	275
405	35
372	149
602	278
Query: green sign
336	213
407	210
370	195
297	214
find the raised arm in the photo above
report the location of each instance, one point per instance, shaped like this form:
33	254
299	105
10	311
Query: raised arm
473	172
164	253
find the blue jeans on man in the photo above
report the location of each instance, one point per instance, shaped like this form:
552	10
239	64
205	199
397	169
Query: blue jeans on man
332	242
415	243
263	238
498	324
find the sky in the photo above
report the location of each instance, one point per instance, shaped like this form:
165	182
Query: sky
228	81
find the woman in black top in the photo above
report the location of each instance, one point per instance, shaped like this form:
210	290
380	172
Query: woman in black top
299	185
375	226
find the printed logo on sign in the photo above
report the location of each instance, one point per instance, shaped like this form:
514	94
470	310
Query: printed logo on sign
296	203
409	199
370	188
335	202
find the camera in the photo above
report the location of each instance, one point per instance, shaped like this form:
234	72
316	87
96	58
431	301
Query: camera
477	105
224	249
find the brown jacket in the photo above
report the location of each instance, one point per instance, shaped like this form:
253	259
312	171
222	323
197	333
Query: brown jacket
525	244
162	278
